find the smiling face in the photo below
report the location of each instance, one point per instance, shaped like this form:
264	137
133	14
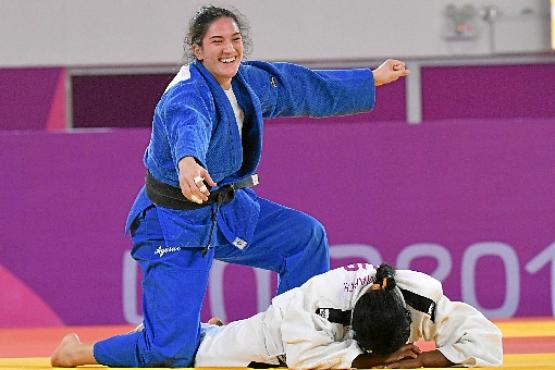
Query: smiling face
221	50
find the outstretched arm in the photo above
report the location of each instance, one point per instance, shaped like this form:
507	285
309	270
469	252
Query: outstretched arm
286	89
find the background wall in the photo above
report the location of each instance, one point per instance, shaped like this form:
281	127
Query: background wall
150	32
470	202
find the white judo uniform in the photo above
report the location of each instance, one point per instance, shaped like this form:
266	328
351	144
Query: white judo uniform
291	331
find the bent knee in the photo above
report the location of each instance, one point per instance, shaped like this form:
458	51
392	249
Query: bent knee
309	227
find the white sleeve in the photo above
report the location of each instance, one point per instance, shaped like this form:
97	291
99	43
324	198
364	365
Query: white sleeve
309	342
465	336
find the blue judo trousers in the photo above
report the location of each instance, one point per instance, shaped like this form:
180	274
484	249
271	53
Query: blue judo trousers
194	118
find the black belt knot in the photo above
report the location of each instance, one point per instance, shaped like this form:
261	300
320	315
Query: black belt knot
168	196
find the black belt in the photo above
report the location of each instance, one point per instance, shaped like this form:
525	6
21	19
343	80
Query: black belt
168	196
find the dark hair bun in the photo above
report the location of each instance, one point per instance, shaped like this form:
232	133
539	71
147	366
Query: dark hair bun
385	271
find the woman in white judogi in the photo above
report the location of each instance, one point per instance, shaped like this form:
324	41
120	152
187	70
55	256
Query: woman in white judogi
357	316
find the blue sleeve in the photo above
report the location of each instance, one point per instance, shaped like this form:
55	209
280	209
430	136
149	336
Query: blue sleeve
286	89
187	124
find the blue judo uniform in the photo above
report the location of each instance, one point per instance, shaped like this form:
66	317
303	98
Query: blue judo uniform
195	118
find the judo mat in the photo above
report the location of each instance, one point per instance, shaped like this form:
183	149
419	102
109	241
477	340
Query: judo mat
527	343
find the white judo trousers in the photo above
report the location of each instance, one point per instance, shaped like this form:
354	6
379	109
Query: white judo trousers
290	330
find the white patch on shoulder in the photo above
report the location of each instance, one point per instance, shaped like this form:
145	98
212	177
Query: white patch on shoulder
182	75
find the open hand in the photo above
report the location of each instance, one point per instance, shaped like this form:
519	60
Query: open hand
407	351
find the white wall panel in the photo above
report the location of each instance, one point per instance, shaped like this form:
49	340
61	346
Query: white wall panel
150	32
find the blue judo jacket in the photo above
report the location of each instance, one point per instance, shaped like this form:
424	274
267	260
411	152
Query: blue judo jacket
195	118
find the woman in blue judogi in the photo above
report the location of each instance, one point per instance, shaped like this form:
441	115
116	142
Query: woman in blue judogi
198	203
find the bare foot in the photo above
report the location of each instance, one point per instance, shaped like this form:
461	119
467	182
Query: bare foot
71	352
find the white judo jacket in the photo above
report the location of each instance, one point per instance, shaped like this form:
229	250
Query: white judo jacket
291	331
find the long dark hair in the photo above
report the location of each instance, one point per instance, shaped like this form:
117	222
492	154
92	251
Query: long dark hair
203	18
380	320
